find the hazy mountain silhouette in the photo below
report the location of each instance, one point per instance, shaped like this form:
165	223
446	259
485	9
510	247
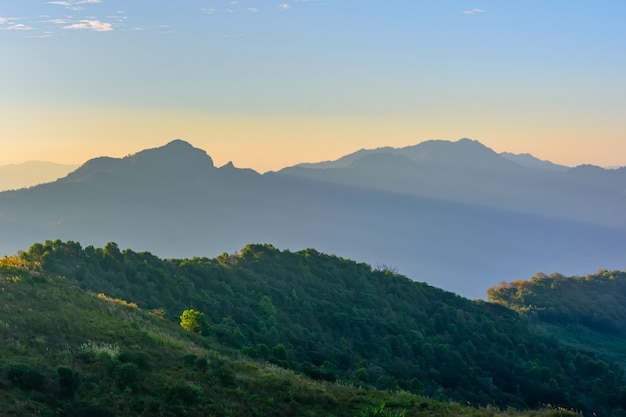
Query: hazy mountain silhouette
528	161
434	211
28	174
468	172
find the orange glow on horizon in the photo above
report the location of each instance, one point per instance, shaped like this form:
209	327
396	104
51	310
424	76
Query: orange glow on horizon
273	142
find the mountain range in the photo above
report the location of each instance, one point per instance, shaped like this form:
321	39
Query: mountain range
454	214
28	174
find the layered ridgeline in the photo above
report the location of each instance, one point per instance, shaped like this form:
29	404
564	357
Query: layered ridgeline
336	320
454	214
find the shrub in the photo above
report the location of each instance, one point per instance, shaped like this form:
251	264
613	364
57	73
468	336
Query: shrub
127	375
26	377
68	382
186	394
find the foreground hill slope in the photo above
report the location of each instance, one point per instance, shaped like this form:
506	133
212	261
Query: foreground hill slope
333	319
454	226
71	353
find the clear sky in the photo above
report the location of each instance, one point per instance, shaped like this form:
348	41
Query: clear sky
268	84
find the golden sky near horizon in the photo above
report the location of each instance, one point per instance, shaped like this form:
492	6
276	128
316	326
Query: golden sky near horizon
271	143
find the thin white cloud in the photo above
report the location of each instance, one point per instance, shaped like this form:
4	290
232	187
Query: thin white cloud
58	21
231	11
17	26
283	7
474	11
95	25
117	18
253	10
43	35
6	20
208	11
74	5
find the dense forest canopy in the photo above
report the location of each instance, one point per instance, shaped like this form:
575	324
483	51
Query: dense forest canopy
594	301
334	319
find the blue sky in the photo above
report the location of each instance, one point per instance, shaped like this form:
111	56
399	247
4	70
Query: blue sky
269	83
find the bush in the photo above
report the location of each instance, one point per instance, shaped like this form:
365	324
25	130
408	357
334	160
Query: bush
68	382
127	376
140	359
26	377
185	394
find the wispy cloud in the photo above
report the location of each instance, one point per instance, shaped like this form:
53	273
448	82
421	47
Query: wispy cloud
17	26
58	21
94	25
7	20
74	5
253	10
10	23
283	7
208	11
44	35
474	11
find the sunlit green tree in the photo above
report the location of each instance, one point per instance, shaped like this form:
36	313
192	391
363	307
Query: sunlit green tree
195	321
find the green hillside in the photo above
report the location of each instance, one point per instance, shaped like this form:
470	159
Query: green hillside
588	312
67	352
365	336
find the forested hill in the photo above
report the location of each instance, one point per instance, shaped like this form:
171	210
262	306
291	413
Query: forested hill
587	311
595	301
337	320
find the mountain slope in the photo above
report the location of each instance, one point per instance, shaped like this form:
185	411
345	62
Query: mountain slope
68	352
528	161
336	320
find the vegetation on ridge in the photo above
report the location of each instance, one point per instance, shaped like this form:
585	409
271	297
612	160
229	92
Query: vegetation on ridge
588	312
338	321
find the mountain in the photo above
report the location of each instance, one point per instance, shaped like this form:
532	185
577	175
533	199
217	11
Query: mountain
470	173
454	214
528	161
31	173
330	319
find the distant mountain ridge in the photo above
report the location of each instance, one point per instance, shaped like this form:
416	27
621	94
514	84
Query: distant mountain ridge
468	172
454	214
528	161
31	173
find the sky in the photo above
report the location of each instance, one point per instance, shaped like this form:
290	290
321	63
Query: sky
268	84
